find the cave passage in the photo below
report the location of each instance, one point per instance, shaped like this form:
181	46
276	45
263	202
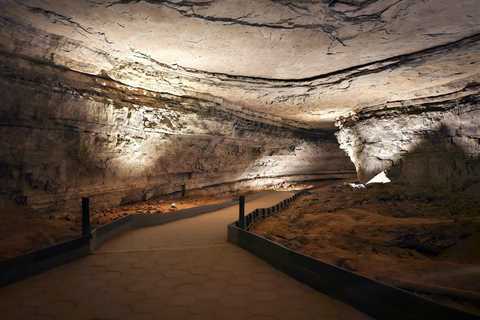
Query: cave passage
158	109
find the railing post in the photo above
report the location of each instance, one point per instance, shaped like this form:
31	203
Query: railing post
241	212
86	228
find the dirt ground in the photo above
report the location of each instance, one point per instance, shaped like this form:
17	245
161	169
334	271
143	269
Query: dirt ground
422	243
159	206
23	230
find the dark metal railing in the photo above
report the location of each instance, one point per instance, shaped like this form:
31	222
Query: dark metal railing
246	221
86	226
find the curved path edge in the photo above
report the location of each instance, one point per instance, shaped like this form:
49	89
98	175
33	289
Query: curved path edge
375	298
183	270
38	261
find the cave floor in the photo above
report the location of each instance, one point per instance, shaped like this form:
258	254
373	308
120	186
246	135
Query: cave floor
423	242
23	230
181	270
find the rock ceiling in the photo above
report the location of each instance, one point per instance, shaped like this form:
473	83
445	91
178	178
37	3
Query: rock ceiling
303	62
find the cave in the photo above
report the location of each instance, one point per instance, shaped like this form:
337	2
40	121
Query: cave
116	110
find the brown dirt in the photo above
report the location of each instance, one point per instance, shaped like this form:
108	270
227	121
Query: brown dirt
156	206
23	230
424	243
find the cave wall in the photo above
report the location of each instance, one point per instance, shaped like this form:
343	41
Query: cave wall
429	143
64	134
134	99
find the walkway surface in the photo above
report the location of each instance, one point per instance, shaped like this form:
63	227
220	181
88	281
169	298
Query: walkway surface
180	270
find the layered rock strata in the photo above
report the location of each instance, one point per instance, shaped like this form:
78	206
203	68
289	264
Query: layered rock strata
65	135
303	62
132	99
431	143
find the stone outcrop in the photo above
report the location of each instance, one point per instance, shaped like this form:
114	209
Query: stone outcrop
65	134
430	143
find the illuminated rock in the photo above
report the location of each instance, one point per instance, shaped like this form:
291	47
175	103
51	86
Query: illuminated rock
429	143
305	62
64	134
130	99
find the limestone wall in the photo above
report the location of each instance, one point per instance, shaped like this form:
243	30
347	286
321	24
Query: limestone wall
64	135
431	143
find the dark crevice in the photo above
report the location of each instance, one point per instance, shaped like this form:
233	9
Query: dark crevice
55	17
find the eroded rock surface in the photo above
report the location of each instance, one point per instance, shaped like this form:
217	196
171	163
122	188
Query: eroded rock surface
65	134
301	61
131	99
428	143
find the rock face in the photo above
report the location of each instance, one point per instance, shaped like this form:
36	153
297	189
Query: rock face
427	143
66	134
303	62
132	99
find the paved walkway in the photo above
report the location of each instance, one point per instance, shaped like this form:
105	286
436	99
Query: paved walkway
181	270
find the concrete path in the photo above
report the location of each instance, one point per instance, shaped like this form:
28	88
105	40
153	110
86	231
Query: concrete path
181	270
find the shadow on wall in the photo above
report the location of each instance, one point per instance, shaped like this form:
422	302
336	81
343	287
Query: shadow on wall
440	160
428	145
163	164
64	135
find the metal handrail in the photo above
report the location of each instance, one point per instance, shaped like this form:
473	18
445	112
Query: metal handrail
245	222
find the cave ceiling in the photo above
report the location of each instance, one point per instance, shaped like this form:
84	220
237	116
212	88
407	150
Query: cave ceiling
303	62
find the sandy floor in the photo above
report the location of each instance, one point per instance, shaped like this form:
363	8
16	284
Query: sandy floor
180	270
22	230
427	244
162	206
